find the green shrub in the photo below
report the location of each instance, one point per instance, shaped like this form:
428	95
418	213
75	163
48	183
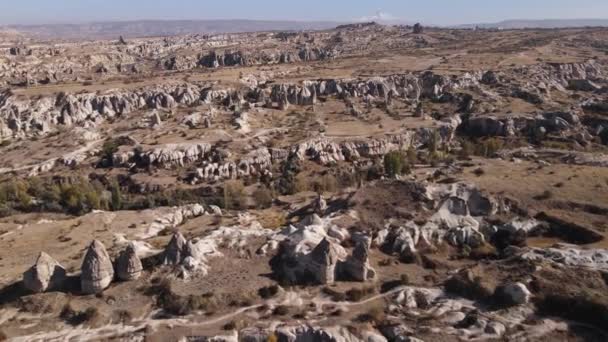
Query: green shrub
108	149
116	198
489	147
396	163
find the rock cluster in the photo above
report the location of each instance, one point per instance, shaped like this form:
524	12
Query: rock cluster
255	163
162	156
19	117
550	122
310	253
458	220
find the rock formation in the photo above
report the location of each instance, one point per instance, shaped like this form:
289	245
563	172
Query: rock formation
311	254
128	265
45	275
97	271
176	251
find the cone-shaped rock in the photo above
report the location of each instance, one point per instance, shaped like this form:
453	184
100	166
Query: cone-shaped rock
97	270
128	265
45	275
175	251
324	260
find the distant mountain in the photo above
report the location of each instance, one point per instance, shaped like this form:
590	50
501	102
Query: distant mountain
148	28
544	23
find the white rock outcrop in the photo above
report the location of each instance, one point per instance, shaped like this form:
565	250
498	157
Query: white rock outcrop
45	275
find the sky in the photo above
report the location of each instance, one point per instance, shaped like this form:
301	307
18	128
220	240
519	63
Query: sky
438	12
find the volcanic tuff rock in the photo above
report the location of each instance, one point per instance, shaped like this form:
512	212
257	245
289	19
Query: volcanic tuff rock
97	271
256	162
45	275
311	252
19	117
176	251
163	156
128	265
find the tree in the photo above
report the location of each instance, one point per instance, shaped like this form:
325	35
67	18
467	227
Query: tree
395	163
116	198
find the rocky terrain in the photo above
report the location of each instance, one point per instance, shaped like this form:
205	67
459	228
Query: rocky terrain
362	183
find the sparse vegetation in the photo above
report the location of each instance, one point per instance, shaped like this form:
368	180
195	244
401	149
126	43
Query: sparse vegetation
396	163
545	195
234	195
73	317
263	197
357	294
281	310
268	291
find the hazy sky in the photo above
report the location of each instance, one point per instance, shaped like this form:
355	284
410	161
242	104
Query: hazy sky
428	11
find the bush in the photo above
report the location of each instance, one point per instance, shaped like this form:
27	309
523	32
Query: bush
479	172
412	156
234	195
466	150
357	294
108	149
73	317
263	197
180	305
327	183
268	291
81	197
15	192
547	194
374	315
466	285
230	326
116	199
281	310
396	163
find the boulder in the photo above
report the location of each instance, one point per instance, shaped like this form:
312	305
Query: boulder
513	294
97	271
128	265
45	275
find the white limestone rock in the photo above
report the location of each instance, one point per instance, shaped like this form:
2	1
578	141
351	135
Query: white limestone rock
45	275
